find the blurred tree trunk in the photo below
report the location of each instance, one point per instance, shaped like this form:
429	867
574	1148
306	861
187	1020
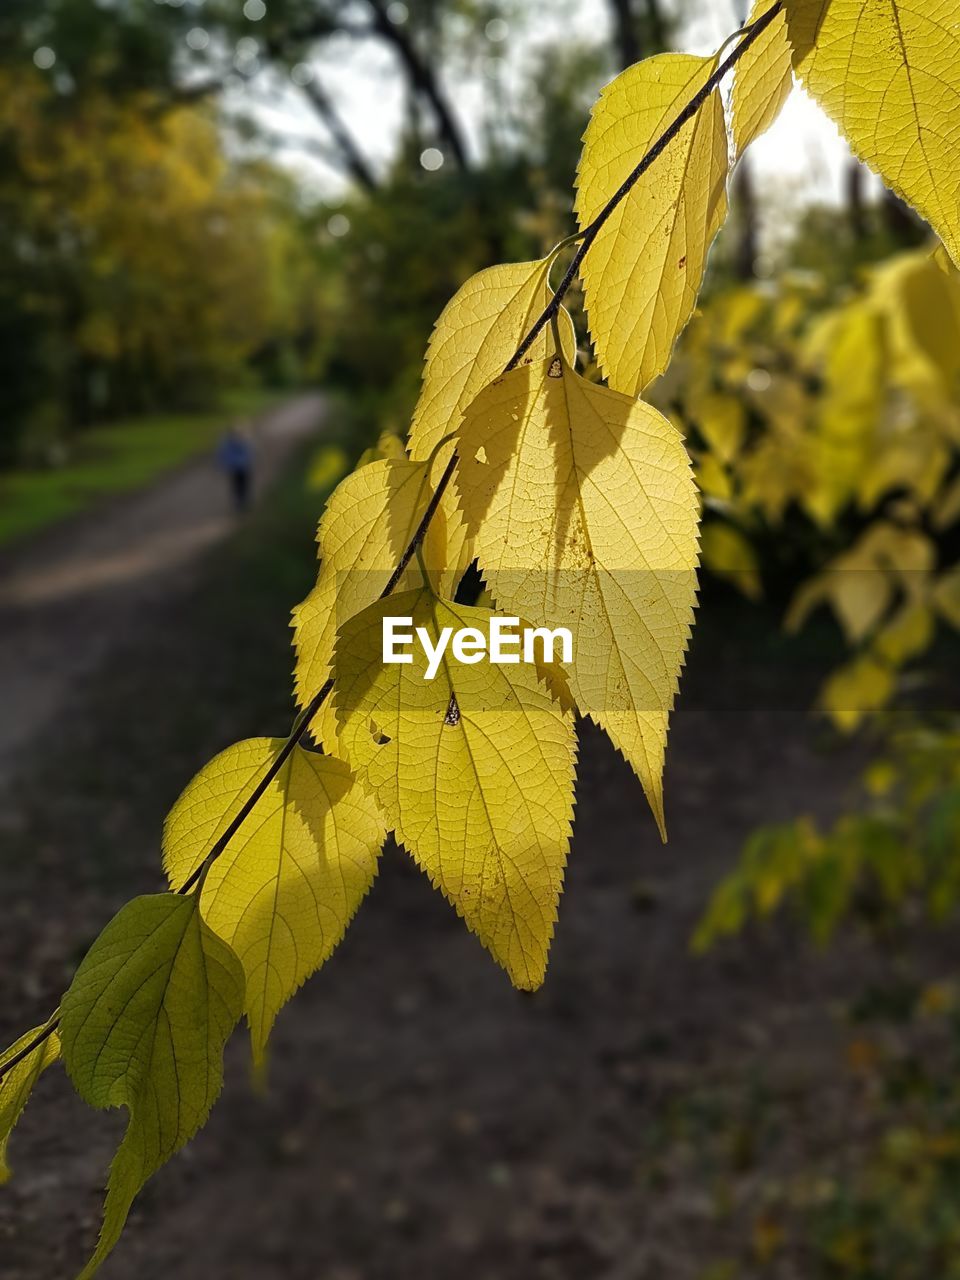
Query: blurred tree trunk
640	30
659	35
745	208
625	31
853	190
346	148
423	80
903	224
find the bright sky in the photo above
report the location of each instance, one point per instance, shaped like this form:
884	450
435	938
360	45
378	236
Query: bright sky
801	158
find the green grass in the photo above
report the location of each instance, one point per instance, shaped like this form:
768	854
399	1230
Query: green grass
115	459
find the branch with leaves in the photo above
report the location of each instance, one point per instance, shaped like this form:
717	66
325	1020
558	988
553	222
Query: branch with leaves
577	501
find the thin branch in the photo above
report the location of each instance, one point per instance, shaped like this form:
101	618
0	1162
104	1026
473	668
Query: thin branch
345	155
421	76
747	36
300	727
353	157
312	147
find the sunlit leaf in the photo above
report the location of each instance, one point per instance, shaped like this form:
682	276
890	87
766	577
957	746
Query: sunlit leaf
290	881
474	770
721	420
920	301
583	510
369	521
856	691
888	73
474	339
861	584
644	269
762	79
907	634
17	1085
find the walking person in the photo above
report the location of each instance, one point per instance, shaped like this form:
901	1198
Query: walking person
236	458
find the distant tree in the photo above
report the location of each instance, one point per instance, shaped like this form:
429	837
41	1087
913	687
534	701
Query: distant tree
641	28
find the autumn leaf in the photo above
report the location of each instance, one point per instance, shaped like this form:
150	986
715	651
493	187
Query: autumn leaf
473	341
856	691
887	72
474	770
583	509
645	268
920	301
369	521
721	420
290	881
860	584
729	554
907	634
763	79
17	1084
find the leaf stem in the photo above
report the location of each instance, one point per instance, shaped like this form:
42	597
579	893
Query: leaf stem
45	1032
747	36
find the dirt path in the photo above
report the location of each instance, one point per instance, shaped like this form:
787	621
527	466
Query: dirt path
630	1121
423	1118
70	596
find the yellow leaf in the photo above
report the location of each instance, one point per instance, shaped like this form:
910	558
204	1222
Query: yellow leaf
921	303
856	691
17	1085
880	778
389	445
473	341
326	467
860	584
859	598
368	523
644	270
907	634
728	554
474	769
775	472
290	881
721	420
762	80
712	478
847	347
584	514
946	596
888	73
915	463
